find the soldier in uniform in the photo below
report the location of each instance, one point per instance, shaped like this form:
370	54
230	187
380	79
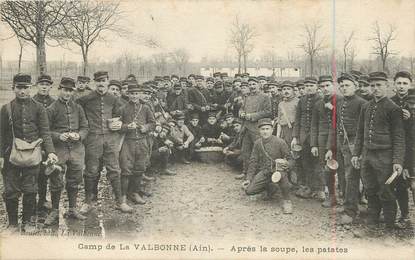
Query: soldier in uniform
102	141
44	85
232	152
256	106
321	123
176	101
301	136
301	89
198	102
82	88
124	90
267	149
69	128
161	152
402	82
137	121
380	142
364	90
348	110
27	120
286	112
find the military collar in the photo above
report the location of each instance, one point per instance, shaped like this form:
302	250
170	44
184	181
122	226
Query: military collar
380	100
65	102
23	100
350	97
266	140
42	97
404	97
288	98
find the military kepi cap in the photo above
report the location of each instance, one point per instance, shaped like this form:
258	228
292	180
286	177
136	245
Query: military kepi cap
114	82
22	80
403	74
325	78
264	121
364	79
287	83
311	80
378	75
83	79
346	76
45	78
100	75
67	83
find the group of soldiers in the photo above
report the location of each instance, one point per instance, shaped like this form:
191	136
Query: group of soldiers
311	135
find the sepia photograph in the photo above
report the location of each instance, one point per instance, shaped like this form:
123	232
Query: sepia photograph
197	129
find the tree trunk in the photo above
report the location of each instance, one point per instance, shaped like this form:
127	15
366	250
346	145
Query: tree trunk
85	65
311	65
245	57
40	55
383	64
239	63
345	61
20	58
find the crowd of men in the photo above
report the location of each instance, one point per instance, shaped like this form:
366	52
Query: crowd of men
307	137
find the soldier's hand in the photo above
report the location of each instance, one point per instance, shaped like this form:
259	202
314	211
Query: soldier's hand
406	114
225	150
329	155
314	151
163	149
355	162
405	174
293	142
202	140
75	136
185	145
132	125
116	126
158	128
398	168
1	162
412	185
203	109
53	157
245	184
64	137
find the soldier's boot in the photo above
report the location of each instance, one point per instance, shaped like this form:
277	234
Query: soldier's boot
287	207
182	158
167	172
123	206
389	212
72	198
12	211
29	200
87	206
136	198
53	217
345	219
373	210
320	196
120	200
148	178
95	189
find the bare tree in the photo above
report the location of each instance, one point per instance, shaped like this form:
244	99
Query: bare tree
33	21
160	62
381	43
180	58
271	59
241	39
313	43
347	49
88	22
352	56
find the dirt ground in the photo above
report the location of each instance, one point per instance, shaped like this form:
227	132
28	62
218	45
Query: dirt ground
205	201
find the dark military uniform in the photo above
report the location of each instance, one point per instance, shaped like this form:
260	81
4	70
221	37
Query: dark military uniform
80	93
402	185
258	106
321	123
135	150
365	97
30	122
198	99
348	110
46	101
262	165
67	117
380	142
101	141
302	129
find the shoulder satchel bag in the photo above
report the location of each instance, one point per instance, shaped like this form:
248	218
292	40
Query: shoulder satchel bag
24	154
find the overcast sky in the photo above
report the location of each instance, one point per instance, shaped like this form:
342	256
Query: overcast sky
202	27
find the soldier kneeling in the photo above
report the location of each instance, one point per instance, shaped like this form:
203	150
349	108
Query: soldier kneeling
268	154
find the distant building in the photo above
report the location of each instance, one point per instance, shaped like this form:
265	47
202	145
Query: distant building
268	72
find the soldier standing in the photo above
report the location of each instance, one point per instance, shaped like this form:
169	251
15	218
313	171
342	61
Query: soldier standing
364	90
27	120
101	109
348	110
380	144
82	88
256	106
321	123
137	121
301	136
402	82
286	112
69	128
44	85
